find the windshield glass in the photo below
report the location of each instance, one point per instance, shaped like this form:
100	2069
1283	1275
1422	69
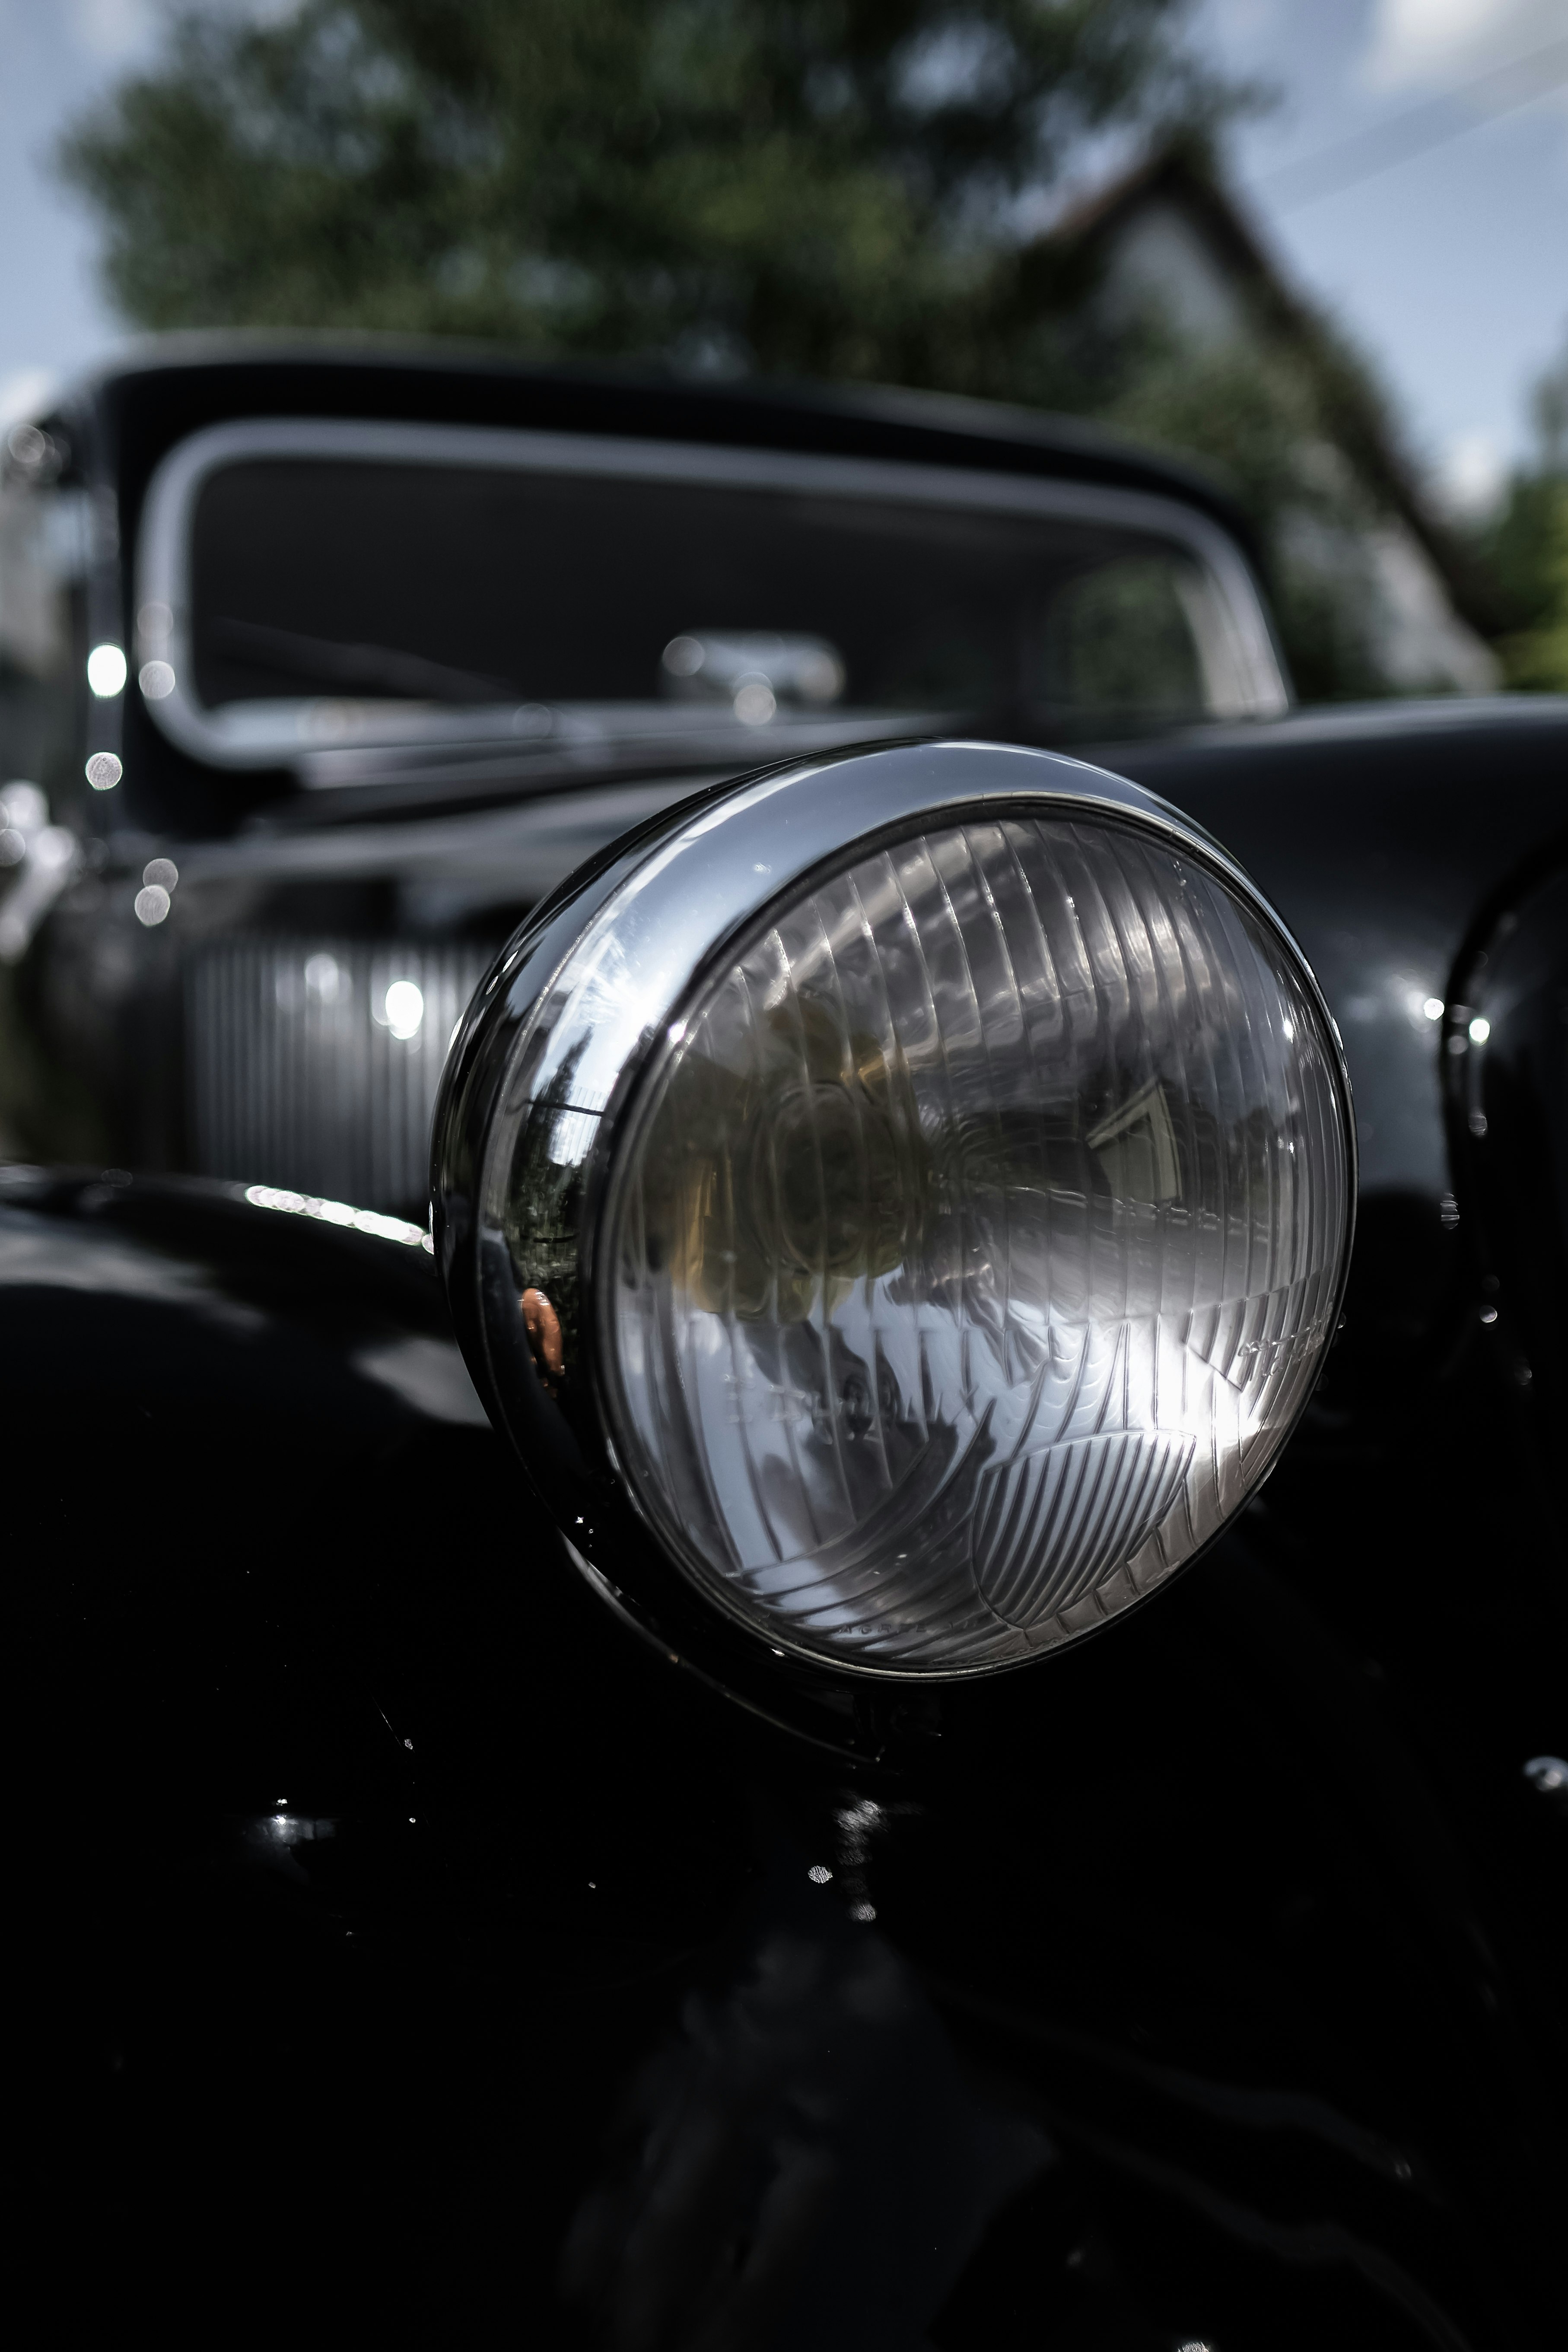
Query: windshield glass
294	599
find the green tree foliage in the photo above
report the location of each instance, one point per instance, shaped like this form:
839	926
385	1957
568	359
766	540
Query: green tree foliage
825	187
1525	548
1538	655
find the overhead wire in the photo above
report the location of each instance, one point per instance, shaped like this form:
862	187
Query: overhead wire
1348	163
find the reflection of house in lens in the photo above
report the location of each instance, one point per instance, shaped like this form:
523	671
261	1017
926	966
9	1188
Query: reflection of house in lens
1137	1148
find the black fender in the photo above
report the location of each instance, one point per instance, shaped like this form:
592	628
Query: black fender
406	1937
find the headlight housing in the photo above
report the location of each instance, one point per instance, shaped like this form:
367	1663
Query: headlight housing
919	1185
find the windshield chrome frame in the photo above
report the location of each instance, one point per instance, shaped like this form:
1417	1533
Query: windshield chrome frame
1243	674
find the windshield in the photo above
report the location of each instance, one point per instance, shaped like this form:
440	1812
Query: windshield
293	597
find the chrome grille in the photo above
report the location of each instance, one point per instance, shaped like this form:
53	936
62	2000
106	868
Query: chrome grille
296	1076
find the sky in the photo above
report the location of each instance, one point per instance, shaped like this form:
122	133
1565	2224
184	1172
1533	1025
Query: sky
1449	268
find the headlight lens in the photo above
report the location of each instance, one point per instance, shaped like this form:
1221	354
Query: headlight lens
920	1183
973	1247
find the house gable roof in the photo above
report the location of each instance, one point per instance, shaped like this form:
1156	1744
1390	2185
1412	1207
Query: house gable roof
1183	178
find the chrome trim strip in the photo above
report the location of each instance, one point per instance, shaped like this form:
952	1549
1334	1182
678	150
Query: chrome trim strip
1242	666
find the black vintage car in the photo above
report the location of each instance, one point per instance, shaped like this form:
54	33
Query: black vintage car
326	667
902	1681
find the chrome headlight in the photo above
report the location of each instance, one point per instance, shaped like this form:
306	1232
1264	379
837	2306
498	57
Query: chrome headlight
919	1185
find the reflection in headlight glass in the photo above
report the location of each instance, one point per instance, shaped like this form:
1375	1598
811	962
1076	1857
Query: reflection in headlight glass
975	1244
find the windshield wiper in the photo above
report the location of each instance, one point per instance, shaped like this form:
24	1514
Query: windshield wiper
355	668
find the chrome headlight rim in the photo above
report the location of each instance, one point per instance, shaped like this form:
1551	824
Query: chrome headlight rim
804	821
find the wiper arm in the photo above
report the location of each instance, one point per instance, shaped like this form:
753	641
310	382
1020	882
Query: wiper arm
381	780
365	669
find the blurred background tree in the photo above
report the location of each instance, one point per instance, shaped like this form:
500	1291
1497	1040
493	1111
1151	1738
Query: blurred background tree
1524	547
830	188
814	187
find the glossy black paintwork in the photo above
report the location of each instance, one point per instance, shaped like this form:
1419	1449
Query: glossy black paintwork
1209	1991
1507	1102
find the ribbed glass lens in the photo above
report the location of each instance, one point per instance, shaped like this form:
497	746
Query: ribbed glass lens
974	1243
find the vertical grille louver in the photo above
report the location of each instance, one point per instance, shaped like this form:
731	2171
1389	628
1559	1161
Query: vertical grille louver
295	1076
